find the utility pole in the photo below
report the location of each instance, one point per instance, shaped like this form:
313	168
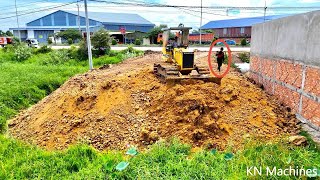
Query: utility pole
265	11
200	25
88	36
15	3
78	17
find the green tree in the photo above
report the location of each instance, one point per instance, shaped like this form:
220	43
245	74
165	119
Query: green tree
100	41
9	33
244	42
195	31
153	33
114	42
137	42
208	31
2	33
72	34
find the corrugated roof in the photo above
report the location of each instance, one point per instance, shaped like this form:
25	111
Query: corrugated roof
241	22
105	17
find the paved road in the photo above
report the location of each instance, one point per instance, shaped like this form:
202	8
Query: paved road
234	49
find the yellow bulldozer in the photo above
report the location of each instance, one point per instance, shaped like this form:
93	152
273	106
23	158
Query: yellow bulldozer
179	61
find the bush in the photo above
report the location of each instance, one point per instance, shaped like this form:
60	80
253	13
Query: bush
113	53
44	49
70	41
22	52
8	48
72	34
82	53
73	52
137	42
114	42
49	41
244	57
16	41
57	57
129	53
101	42
244	42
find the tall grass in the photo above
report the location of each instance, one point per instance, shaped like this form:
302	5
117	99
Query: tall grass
164	160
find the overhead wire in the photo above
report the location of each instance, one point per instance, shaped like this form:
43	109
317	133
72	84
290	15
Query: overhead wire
40	10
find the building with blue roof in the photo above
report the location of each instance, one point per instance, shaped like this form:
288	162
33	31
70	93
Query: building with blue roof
41	28
236	29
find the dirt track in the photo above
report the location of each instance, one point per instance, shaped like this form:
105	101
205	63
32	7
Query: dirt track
127	105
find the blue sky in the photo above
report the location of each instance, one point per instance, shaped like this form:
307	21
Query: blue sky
170	16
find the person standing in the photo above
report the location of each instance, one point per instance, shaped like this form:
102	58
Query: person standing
220	58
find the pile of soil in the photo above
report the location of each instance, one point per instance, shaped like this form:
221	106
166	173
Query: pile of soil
127	105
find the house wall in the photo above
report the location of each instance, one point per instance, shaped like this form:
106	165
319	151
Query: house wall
23	34
116	27
42	35
285	59
234	32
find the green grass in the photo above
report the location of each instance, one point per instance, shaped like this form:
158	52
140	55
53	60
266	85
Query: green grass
25	84
164	160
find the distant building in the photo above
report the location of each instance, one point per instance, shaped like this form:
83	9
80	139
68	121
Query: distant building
41	28
236	29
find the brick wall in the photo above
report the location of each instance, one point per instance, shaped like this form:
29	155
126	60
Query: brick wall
295	84
285	59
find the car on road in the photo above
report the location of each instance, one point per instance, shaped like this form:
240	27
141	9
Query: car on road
32	43
228	41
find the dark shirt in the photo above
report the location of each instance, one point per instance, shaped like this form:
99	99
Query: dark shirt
220	56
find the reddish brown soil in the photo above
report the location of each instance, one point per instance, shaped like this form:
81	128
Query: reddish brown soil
127	105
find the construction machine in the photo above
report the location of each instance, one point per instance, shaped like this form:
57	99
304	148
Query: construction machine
179	61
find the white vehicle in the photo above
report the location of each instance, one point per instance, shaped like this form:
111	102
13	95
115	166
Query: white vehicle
32	43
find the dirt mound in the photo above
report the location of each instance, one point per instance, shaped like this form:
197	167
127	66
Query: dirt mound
112	111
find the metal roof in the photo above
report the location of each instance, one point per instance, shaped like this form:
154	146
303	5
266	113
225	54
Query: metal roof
51	27
112	18
241	22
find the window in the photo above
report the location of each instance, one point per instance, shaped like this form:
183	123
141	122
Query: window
242	30
225	31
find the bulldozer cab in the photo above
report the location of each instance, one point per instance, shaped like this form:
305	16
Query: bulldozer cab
180	41
181	36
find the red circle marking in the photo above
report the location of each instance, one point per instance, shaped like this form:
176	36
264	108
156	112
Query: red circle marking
229	58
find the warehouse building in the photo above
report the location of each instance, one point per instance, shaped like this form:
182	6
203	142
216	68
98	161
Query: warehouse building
43	27
236	29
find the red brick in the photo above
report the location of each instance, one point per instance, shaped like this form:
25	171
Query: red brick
287	96
254	63
267	67
312	83
267	85
311	110
254	77
289	73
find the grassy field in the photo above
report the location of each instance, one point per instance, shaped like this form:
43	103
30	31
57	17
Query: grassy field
164	160
24	83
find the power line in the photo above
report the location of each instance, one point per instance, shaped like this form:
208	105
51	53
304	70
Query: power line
205	7
46	9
